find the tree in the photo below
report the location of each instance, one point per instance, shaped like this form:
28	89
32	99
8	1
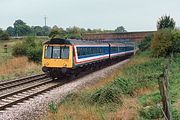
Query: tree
37	30
145	43
54	32
46	30
89	30
3	35
73	33
165	22
21	29
120	29
10	30
57	32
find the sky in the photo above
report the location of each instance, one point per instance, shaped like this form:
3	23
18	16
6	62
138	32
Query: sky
134	15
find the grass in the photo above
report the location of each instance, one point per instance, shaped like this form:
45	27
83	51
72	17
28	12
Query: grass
4	56
129	92
14	67
18	67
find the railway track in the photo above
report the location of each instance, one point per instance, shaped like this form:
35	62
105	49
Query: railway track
35	85
17	82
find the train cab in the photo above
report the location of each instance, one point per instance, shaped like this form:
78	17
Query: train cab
57	57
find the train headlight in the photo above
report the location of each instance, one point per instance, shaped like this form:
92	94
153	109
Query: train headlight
65	64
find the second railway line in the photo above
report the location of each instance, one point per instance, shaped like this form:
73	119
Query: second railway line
16	91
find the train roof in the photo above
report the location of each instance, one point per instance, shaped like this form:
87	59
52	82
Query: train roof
71	41
83	42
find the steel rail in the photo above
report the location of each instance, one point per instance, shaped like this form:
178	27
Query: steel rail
14	100
14	83
17	80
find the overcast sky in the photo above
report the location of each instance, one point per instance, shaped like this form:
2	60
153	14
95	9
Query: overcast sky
134	15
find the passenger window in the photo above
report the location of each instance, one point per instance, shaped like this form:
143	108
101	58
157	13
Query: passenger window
48	51
56	52
65	52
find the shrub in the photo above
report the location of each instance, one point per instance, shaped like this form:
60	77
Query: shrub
145	43
29	48
3	35
35	53
106	95
165	42
30	41
176	40
123	85
19	50
162	42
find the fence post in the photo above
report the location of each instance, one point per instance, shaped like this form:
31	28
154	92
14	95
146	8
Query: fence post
163	87
5	48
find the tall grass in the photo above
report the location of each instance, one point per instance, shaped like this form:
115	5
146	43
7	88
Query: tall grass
17	67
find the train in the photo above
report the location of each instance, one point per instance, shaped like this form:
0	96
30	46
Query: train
66	57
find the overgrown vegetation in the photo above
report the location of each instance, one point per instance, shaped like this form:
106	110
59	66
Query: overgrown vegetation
16	67
165	42
145	43
30	48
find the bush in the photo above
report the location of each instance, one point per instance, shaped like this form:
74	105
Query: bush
165	42
3	35
112	92
35	53
29	48
176	40
106	95
162	42
145	43
19	50
123	85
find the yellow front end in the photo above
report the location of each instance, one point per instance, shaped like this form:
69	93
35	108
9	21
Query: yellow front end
57	62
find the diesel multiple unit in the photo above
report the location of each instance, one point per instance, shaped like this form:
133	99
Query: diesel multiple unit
65	56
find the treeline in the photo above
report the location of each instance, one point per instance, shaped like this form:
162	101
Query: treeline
20	28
